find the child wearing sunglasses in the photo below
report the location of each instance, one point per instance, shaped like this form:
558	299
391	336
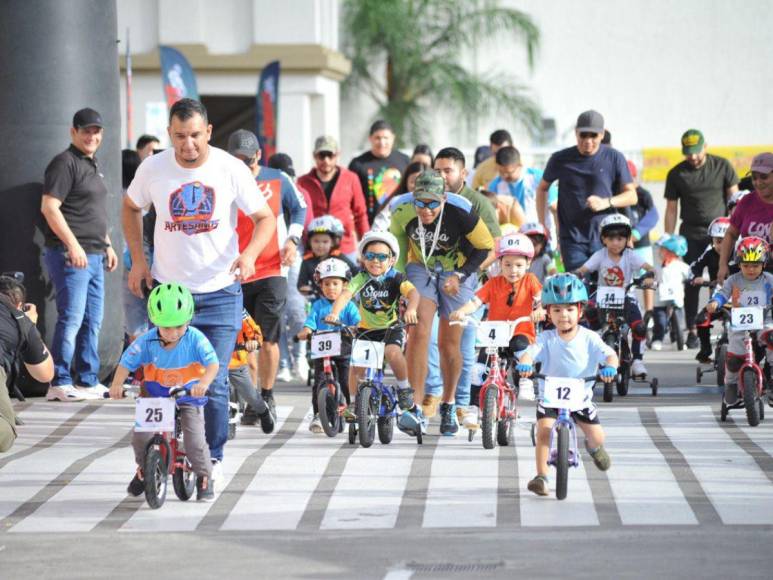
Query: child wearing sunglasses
377	291
514	293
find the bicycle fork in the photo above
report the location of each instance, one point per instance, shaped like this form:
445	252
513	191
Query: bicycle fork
574	456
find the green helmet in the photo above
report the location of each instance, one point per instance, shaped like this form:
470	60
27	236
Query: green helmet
170	305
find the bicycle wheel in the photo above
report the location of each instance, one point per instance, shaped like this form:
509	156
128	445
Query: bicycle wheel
184	481
327	403
719	362
386	428
562	461
723	412
749	379
623	380
489	417
156	478
506	424
676	325
352	433
646	322
609	392
367	411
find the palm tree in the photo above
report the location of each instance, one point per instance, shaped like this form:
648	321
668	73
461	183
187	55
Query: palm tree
422	42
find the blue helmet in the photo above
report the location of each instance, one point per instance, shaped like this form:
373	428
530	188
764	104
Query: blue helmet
676	244
563	289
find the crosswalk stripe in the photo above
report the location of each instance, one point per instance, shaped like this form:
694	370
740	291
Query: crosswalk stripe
762	435
735	485
644	487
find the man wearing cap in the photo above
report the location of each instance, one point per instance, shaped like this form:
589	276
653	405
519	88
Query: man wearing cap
593	181
702	183
78	250
380	169
265	292
336	191
443	243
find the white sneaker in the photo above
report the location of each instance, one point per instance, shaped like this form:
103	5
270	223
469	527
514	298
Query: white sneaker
316	425
93	392
657	345
217	474
302	368
284	375
526	389
468	417
638	368
64	393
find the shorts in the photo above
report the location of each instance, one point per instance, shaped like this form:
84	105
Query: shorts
589	415
265	300
431	288
388	336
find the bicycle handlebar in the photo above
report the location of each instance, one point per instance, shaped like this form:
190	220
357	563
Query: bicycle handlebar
586	379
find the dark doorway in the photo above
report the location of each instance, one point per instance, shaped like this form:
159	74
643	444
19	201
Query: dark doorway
227	114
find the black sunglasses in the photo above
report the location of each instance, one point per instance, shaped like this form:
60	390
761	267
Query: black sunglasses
588	135
324	155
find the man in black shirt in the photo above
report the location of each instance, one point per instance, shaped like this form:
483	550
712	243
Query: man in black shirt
19	339
379	169
78	251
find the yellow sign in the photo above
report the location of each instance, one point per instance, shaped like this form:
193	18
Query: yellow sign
659	160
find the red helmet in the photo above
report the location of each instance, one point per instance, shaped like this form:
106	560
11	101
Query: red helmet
515	245
718	227
752	250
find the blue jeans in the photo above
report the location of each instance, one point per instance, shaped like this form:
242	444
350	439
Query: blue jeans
434	382
293	317
80	298
219	316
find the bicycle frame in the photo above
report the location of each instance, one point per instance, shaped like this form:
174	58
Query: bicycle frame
564	418
497	378
168	444
750	362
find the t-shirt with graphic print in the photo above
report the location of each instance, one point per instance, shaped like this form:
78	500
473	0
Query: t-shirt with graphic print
739	291
615	273
379	177
164	368
195	238
753	217
508	301
378	298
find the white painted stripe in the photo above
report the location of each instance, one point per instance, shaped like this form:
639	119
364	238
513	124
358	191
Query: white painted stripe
184	516
735	485
644	487
399	574
40	420
576	510
20	480
280	491
372	485
463	484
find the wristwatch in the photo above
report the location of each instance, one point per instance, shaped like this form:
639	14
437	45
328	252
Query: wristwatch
295	240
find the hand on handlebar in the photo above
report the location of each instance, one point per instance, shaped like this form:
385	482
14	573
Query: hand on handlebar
538	315
524	369
331	318
711	307
607	373
456	316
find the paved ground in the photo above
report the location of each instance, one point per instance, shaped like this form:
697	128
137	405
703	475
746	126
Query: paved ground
687	496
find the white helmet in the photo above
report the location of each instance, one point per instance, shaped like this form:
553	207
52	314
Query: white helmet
718	227
332	268
615	221
383	237
736	197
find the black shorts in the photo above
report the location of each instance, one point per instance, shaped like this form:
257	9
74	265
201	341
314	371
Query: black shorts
589	416
388	336
265	301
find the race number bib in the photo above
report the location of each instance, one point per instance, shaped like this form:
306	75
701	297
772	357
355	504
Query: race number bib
325	344
368	354
667	293
748	318
610	297
564	393
154	415
494	333
754	299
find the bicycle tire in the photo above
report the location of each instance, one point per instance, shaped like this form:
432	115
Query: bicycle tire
184	481
489	417
654	387
723	412
761	405
506	424
386	429
366	416
647	329
609	389
352	433
719	361
156	478
676	325
609	392
749	379
624	379
562	461
327	404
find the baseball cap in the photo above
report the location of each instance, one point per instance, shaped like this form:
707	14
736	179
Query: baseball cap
692	142
283	162
87	118
243	142
430	185
591	122
325	143
763	163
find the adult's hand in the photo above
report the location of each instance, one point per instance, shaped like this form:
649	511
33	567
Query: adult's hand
137	274
597	204
245	264
31	312
111	259
77	256
451	285
289	253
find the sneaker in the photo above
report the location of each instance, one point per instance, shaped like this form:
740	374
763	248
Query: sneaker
692	340
316	425
136	486
349	414
600	457
448	425
97	391
284	375
467	417
638	368
268	419
410	422
539	485
703	356
205	489
526	390
770	399
430	405
269	399
657	345
64	393
250	416
217	473
301	369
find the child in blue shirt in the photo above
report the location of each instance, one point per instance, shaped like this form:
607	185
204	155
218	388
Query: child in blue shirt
173	354
570	351
331	275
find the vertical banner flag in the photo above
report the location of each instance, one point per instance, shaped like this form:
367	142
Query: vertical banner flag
177	76
267	110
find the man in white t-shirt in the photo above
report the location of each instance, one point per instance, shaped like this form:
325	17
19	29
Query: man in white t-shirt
196	190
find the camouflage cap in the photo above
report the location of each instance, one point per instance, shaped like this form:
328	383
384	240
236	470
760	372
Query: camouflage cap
430	185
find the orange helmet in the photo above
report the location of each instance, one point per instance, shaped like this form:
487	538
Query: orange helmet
752	250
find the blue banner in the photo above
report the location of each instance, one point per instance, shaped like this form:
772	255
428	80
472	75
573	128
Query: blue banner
177	76
267	110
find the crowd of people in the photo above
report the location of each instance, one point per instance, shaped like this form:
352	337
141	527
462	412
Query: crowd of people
229	257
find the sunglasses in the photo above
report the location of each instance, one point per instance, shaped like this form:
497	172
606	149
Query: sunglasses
370	256
324	155
588	135
426	204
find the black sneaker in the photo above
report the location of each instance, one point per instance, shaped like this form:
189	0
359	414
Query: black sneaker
136	486
204	489
692	340
703	356
268	419
448	424
249	417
